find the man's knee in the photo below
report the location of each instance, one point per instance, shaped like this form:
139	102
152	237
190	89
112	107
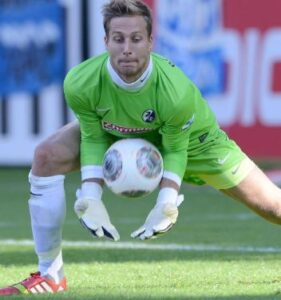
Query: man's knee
46	159
58	154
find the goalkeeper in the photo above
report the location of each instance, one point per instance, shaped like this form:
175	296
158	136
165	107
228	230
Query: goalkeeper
130	92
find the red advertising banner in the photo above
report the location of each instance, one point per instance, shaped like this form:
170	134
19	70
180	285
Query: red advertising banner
257	126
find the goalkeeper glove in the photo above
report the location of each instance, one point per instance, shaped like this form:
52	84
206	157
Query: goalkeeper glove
162	217
92	213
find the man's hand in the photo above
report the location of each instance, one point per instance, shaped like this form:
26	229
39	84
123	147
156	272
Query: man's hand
93	216
161	219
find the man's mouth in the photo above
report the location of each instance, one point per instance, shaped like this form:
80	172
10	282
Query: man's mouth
127	61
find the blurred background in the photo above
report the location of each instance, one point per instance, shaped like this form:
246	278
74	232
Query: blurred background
230	48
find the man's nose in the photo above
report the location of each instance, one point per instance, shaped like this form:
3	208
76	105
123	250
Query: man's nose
127	48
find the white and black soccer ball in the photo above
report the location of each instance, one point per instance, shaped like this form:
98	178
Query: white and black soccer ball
132	167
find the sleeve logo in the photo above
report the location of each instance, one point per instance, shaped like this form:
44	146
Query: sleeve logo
188	123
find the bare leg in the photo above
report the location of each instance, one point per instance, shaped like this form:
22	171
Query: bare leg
59	154
259	194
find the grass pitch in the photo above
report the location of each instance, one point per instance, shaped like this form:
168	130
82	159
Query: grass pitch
217	250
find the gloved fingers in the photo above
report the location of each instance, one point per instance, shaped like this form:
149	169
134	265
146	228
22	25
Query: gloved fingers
147	234
98	228
94	230
137	233
153	234
111	233
99	232
163	226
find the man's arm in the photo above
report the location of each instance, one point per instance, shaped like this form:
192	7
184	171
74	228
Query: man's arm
175	133
89	206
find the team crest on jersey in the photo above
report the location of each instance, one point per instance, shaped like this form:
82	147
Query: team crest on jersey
149	116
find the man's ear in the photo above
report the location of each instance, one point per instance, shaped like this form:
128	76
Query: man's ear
151	43
105	41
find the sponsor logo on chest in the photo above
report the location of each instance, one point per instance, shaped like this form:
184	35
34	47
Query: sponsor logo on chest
122	129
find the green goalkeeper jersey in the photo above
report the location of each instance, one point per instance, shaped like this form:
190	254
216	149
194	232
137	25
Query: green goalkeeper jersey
168	110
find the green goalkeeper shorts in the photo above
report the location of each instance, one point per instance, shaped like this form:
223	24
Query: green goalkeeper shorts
220	163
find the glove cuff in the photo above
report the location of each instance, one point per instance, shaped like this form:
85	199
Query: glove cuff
91	190
167	195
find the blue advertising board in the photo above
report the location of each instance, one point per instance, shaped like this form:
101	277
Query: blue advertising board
188	33
32	45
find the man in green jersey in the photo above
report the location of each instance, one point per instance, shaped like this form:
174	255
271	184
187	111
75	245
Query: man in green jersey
130	92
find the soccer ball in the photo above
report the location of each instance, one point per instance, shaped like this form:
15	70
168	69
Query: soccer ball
132	167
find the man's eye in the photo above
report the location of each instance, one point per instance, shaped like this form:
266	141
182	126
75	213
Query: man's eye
136	40
117	39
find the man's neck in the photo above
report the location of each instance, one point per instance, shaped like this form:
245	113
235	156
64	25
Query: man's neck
133	86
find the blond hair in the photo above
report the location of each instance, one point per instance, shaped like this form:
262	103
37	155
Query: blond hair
121	8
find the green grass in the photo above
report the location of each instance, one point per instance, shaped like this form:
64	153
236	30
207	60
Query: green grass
207	218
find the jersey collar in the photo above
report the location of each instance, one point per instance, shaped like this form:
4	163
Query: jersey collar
133	86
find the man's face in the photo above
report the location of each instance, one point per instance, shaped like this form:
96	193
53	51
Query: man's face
129	46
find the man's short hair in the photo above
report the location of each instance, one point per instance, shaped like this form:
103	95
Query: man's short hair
122	8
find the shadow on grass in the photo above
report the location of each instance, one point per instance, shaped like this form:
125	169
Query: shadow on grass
26	255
